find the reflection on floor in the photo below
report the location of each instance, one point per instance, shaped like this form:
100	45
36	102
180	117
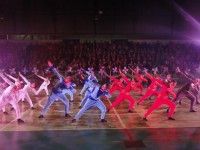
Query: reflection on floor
122	131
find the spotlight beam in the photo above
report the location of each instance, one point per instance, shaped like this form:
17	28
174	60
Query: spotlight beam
186	15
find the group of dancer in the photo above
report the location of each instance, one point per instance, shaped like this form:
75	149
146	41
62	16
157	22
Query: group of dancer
12	90
160	88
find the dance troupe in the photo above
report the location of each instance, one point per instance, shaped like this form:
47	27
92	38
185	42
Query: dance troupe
162	89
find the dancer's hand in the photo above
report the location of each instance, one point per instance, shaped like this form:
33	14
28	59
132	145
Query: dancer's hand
50	63
120	72
178	69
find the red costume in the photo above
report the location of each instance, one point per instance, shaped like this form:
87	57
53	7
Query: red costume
140	79
117	85
162	98
151	90
125	94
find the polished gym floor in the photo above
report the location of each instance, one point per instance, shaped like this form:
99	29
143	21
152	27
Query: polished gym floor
123	131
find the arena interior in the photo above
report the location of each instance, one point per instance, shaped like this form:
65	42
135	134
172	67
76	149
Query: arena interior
99	75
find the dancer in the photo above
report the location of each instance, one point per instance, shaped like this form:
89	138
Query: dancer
18	83
91	76
125	94
23	93
117	84
3	86
152	89
44	85
140	78
162	98
87	93
57	92
195	89
70	92
9	96
187	90
95	101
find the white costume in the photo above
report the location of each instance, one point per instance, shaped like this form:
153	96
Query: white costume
9	96
23	93
44	85
1	92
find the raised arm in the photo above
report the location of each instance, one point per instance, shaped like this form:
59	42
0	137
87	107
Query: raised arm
25	80
6	80
135	73
159	82
149	76
13	78
187	76
95	78
87	72
124	77
55	71
91	75
190	76
111	77
41	77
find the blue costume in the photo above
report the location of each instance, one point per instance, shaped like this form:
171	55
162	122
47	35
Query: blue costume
94	101
86	81
57	93
70	92
90	89
87	94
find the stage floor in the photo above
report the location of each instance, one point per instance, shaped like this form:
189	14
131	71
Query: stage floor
122	131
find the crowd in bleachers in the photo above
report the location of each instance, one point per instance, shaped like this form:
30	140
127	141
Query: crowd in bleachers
70	57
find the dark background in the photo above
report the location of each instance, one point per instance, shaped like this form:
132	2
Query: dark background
109	18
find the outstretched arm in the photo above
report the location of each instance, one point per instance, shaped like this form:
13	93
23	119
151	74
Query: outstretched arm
186	75
87	72
190	76
6	80
111	77
40	77
95	78
25	80
124	76
135	73
15	79
149	76
50	64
